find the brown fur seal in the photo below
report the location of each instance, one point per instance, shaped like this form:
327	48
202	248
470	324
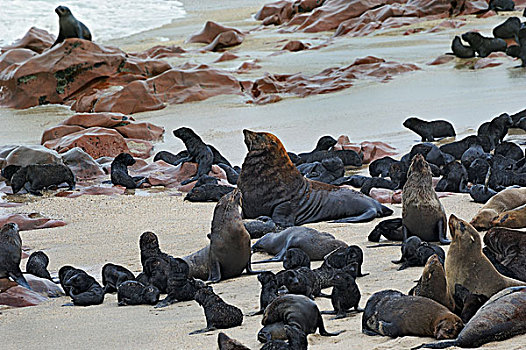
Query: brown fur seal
501	317
468	266
394	314
422	213
432	284
509	248
11	254
70	27
508	199
228	253
274	187
224	342
515	218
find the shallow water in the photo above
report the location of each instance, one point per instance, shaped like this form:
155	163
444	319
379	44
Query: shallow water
105	19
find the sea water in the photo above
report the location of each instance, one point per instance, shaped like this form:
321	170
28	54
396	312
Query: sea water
106	19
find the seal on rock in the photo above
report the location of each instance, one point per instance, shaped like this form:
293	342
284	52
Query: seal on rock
198	152
466	264
69	26
273	186
218	313
119	172
500	318
228	253
422	213
39	176
394	314
11	254
37	265
314	243
429	131
460	50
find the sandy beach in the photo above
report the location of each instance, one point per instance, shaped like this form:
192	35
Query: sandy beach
103	229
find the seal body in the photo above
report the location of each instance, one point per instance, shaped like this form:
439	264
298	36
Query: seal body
218	313
119	172
515	218
135	293
113	275
468	266
509	248
483	45
394	314
11	254
224	342
460	50
39	176
228	253
505	200
83	289
37	265
428	131
422	213
198	152
272	186
70	27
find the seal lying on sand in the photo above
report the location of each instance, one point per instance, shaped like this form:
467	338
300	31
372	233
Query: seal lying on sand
228	253
501	317
39	176
136	293
483	45
272	186
11	254
113	275
70	27
297	311
416	253
515	218
83	289
509	248
394	314
314	243
297	340
224	342
468	266
422	213
508	199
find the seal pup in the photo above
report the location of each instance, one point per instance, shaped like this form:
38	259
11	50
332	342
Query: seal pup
466	303
515	218
314	243
297	340
422	213
228	253
509	249
295	258
113	275
259	227
149	246
482	45
432	284
466	264
39	176
301	281
69	26
481	193
391	229
157	272
507	199
218	313
415	252
519	51
83	289
37	265
460	50
297	311
341	258
198	152
273	186
119	172
136	293
269	290
64	273
224	342
345	295
500	318
429	131
380	167
394	314
8	172
509	29
207	193
11	254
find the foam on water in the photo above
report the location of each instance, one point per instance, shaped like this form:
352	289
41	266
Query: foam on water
106	19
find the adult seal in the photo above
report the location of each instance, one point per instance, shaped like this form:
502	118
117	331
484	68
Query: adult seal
228	253
70	27
501	317
272	186
466	264
11	254
422	213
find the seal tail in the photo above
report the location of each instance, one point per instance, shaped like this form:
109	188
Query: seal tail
437	345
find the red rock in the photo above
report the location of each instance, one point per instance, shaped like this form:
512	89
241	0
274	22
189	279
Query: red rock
33	221
225	39
376	150
273	20
246	67
447	24
82	164
486	63
37	40
97	142
295	45
345	144
43	286
143	131
140	148
282	7
14	58
26	155
227	56
161	51
95	190
210	31
59	131
265	99
441	60
17	296
103	120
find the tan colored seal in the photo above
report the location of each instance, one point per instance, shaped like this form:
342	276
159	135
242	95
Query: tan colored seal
515	218
508	199
468	266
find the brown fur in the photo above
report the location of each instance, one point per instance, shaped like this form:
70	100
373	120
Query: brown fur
515	218
508	199
509	249
432	284
468	266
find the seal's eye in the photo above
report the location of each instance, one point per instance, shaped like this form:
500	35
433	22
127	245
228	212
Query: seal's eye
462	227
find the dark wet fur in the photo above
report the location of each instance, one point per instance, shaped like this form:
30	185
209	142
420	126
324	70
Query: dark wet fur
261	226
38	177
483	45
37	265
294	258
83	289
218	313
429	131
135	293
208	193
119	172
69	26
198	152
113	275
416	252
11	254
391	229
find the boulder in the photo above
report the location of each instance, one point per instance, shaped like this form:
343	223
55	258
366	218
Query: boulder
32	221
82	164
11	294
37	40
26	155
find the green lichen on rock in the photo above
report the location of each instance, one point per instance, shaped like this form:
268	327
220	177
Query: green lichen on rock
66	76
121	68
25	79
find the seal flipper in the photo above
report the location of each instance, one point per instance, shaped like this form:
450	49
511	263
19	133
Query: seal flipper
437	345
368	215
214	274
277	258
20	279
442	231
322	329
204	330
282	215
250	271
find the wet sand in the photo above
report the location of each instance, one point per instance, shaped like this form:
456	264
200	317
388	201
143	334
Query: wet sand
106	229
